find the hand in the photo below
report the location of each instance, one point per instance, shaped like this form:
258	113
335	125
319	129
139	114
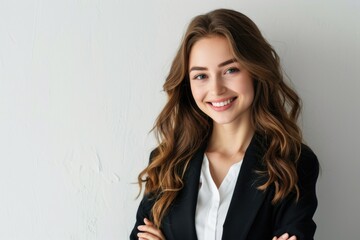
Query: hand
285	237
149	231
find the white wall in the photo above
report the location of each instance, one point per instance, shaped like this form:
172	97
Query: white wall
80	87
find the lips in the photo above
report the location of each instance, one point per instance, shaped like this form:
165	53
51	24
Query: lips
222	102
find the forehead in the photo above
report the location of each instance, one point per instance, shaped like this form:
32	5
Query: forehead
210	51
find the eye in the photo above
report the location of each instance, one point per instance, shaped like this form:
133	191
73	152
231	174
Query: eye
232	70
199	77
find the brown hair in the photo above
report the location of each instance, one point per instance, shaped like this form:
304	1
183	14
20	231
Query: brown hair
182	128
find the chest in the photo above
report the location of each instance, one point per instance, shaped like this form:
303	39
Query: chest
220	165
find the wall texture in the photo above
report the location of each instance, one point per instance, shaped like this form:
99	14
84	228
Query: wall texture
81	85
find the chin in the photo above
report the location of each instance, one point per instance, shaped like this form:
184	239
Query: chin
222	121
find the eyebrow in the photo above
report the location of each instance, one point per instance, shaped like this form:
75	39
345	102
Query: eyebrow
220	65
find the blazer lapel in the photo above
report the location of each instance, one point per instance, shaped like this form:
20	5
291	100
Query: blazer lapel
245	202
181	218
246	199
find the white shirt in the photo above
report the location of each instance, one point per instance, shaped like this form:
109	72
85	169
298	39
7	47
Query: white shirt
213	203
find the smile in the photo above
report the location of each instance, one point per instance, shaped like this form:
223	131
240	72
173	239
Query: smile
222	103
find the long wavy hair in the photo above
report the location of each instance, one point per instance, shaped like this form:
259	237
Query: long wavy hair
182	128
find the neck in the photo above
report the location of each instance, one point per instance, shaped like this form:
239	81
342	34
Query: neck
230	139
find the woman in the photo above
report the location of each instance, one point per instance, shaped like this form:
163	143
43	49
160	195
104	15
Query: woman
230	163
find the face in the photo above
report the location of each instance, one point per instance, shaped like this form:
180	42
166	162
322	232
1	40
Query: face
221	87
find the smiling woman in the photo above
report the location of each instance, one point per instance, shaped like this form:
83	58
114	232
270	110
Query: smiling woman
225	90
230	163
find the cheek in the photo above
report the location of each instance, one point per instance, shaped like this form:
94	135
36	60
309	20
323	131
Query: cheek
197	93
247	88
250	90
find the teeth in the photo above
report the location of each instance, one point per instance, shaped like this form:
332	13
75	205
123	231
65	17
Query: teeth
221	104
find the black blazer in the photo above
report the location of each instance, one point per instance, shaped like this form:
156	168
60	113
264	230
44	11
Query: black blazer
251	214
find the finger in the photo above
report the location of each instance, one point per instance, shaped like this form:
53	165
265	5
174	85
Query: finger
157	231
284	236
274	238
293	238
147	236
148	222
150	229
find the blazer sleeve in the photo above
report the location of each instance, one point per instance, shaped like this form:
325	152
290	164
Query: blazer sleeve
144	209
296	218
142	212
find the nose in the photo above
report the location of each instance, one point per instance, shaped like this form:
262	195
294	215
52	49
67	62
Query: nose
217	86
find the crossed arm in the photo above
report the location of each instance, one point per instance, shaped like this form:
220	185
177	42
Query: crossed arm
291	221
150	232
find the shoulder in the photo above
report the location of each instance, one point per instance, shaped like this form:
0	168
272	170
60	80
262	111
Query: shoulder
307	158
307	165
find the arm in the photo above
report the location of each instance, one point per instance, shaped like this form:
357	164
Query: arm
142	213
296	218
149	231
144	209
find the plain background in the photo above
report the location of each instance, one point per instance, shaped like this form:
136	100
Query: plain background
81	86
